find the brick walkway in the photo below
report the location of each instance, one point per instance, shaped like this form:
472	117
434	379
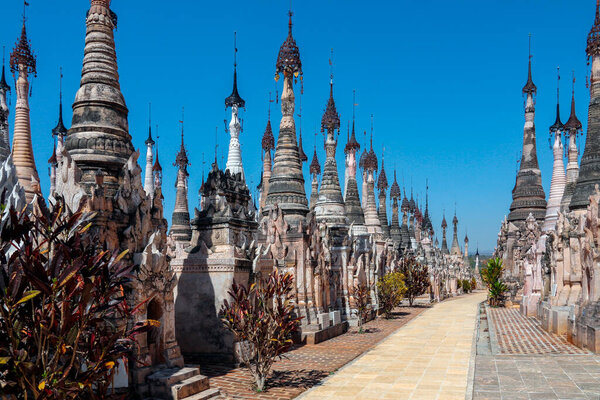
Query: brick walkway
517	334
306	366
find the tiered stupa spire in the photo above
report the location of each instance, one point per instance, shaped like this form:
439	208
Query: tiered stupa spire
528	193
315	171
559	179
286	184
23	64
330	205
235	101
180	228
395	194
354	210
157	171
427	225
58	133
444	242
455	249
369	169
572	129
382	185
404	232
268	144
589	171
99	111
149	175
4	112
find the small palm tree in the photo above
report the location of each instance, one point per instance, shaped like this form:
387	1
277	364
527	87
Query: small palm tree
491	275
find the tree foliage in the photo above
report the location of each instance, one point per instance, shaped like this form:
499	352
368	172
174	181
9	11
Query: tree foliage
491	275
63	310
466	285
390	290
363	299
416	278
263	316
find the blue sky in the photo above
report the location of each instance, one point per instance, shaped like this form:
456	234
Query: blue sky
443	80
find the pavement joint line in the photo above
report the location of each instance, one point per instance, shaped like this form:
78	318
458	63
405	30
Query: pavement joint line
492	331
471	375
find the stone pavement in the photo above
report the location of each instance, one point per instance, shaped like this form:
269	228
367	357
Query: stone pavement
529	363
426	359
306	366
518	334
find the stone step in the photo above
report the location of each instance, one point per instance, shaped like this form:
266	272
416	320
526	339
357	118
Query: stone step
207	394
171	376
189	387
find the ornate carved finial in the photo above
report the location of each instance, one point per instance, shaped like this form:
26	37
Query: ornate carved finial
529	87
573	125
331	119
288	59
22	54
3	85
558	125
234	98
593	39
182	161
149	141
60	129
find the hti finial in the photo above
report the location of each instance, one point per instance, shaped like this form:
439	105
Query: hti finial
530	56
270	101
235	50
25	4
331	67
60	86
573	86
353	104
182	119
557	84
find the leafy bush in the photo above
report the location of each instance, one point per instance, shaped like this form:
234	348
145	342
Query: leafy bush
473	283
390	290
63	310
263	316
416	278
458	284
466	285
362	298
491	275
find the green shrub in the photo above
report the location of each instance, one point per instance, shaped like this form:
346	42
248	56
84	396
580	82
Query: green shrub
491	275
390	290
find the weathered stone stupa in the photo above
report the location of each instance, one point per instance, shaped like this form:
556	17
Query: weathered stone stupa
528	193
4	112
572	129
329	207
352	203
382	185
180	224
23	64
286	184
109	184
559	179
589	170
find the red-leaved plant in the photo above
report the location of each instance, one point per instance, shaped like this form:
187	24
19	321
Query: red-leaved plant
416	278
63	310
263	317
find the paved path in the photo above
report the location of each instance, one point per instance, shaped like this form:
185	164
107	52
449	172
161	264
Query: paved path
426	359
306	366
532	364
518	334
